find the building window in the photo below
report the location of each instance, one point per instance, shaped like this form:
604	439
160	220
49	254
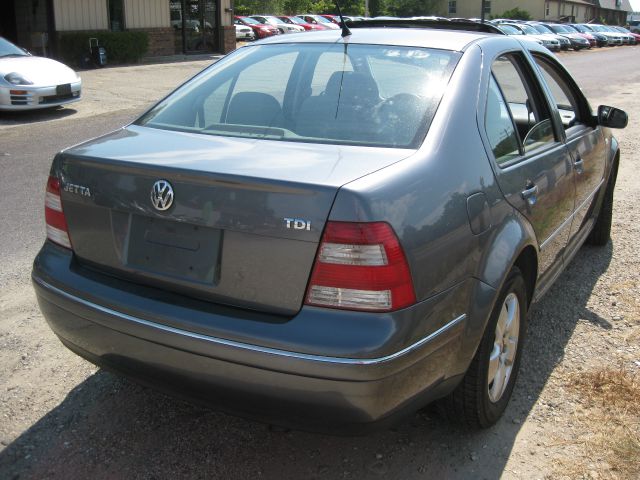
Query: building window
546	9
487	6
452	7
116	15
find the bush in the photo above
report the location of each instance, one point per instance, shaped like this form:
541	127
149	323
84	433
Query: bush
121	47
515	14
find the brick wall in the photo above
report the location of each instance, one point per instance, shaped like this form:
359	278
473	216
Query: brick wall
228	40
161	41
168	41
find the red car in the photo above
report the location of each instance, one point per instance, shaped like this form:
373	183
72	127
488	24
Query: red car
260	29
318	20
332	18
298	21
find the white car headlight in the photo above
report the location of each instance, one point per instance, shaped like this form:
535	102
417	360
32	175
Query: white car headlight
15	78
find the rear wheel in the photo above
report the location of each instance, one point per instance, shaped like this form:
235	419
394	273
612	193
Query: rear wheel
486	388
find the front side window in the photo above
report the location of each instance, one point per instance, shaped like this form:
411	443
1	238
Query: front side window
563	95
343	94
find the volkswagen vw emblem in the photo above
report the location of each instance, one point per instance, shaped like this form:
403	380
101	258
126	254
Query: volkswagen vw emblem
162	195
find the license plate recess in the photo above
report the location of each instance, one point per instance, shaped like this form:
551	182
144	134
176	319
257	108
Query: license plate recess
63	89
168	248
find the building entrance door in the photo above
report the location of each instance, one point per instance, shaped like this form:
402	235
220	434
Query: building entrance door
195	25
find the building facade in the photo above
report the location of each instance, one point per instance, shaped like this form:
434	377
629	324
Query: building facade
612	12
173	26
189	26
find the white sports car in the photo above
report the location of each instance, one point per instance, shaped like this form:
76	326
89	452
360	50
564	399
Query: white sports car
28	82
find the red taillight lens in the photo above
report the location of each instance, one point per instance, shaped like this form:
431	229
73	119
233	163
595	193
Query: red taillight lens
360	266
57	230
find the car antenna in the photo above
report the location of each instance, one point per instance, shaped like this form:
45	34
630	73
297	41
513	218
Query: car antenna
345	30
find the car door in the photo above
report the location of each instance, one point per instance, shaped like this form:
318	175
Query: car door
584	139
533	165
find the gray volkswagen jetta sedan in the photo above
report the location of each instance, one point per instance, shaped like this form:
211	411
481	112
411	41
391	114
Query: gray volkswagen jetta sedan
331	231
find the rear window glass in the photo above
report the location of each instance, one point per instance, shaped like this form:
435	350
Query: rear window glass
344	94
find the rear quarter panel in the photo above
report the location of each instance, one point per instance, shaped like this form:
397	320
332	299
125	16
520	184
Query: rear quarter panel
425	197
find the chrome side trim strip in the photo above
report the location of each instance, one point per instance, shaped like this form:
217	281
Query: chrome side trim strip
571	217
256	348
590	197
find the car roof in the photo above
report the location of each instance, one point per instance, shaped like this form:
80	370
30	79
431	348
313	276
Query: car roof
410	37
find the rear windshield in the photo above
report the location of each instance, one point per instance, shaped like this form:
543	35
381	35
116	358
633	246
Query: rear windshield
509	30
528	30
322	93
543	29
321	19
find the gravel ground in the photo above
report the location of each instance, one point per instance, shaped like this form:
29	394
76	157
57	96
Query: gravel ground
61	417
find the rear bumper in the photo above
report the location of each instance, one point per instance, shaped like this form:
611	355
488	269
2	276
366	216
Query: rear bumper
282	386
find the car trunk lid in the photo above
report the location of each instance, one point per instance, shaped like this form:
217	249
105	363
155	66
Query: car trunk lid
244	223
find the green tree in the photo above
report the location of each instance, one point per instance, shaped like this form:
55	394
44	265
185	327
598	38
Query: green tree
378	8
351	7
293	7
515	14
253	7
324	6
415	8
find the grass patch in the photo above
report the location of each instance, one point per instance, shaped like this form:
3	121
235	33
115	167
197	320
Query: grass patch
607	425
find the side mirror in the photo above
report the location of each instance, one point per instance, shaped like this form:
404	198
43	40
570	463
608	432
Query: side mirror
612	117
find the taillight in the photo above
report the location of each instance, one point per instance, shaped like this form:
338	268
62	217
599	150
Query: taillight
360	266
57	230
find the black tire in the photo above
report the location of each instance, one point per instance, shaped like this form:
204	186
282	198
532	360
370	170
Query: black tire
471	403
601	232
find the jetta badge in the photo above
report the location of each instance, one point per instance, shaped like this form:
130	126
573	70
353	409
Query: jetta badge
162	195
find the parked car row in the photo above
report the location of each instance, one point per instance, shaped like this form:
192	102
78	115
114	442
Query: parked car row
263	26
554	36
563	36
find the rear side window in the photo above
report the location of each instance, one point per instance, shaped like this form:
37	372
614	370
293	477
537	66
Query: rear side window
524	101
368	95
499	125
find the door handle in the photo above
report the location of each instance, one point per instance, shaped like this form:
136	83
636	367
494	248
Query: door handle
579	166
530	193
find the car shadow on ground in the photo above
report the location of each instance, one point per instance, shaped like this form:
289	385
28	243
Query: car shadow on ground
107	427
26	117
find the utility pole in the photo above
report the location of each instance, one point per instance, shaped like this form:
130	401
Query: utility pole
366	8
